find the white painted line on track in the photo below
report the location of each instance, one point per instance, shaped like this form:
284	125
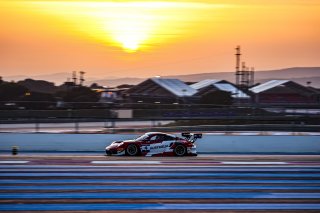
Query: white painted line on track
189	164
193	163
158	166
252	163
13	162
125	162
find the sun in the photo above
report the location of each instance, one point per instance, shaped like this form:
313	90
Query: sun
130	45
130	29
131	25
131	35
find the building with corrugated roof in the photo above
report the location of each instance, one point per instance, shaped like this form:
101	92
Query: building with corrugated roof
160	90
283	92
213	85
207	82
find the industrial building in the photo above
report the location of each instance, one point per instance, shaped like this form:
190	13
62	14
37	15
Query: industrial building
283	92
161	90
174	91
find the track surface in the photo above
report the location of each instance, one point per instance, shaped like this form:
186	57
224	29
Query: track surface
252	183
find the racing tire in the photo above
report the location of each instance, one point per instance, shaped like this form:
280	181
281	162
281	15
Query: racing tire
180	150
132	150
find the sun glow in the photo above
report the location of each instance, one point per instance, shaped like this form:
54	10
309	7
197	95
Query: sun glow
130	25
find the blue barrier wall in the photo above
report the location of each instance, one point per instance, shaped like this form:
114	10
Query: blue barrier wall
214	143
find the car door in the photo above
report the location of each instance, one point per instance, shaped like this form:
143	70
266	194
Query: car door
145	145
156	145
167	142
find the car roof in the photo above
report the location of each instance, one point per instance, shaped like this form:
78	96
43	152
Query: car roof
159	133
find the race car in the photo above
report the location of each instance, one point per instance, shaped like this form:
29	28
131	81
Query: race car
156	144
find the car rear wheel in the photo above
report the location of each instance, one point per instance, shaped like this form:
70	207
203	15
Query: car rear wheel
132	150
180	150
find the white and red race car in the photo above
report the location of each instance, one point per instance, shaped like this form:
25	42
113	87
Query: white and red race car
156	144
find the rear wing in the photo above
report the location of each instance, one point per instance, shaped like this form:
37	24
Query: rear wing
192	137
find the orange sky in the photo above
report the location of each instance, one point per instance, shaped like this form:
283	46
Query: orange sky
149	38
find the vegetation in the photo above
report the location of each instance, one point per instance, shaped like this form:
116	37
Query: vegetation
37	100
10	91
27	94
39	86
78	94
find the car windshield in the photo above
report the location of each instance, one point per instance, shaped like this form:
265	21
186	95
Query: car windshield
142	137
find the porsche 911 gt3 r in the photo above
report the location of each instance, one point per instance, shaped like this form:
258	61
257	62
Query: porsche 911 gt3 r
156	144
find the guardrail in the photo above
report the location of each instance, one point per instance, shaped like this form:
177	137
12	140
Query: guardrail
150	113
147	126
290	119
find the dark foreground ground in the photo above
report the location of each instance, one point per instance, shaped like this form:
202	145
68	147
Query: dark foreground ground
207	183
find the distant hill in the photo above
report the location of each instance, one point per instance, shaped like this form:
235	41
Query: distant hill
289	73
56	78
298	74
117	81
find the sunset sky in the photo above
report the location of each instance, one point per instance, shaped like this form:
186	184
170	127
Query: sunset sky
149	38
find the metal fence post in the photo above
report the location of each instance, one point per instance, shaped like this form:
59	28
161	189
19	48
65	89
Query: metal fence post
37	126
76	126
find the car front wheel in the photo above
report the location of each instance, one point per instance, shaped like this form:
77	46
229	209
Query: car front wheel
180	150
132	150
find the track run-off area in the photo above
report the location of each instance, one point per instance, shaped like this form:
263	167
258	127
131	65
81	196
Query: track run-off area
207	183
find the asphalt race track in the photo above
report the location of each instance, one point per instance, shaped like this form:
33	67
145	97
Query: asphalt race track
230	183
